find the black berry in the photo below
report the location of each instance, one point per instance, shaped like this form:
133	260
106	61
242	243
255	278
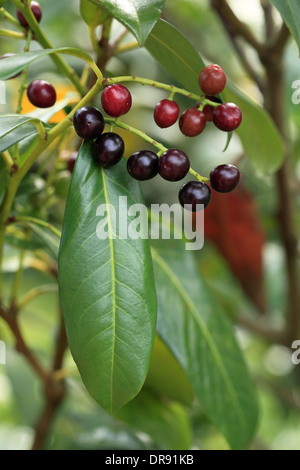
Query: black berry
116	100
41	94
192	122
143	165
194	193
109	149
224	178
36	10
173	165
88	122
166	113
227	117
212	80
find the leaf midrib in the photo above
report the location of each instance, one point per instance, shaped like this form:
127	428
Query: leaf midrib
113	277
185	296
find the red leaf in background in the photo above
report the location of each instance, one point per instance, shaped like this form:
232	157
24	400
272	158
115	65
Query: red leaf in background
232	224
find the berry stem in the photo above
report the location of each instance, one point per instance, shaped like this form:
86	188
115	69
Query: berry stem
163	86
11	34
24	75
161	148
7	16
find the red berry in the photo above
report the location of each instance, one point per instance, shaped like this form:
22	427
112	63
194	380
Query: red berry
41	94
224	178
116	100
192	122
88	122
36	10
227	117
9	54
212	80
143	165
194	193
166	113
109	149
173	165
208	110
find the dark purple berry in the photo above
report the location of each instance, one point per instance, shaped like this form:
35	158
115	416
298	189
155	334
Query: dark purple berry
143	165
36	10
192	122
109	149
166	113
227	117
116	100
194	193
173	165
224	178
41	94
88	122
212	80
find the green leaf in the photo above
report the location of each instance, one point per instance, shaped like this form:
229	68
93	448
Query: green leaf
260	137
15	64
139	16
167	423
290	12
166	376
14	128
202	339
107	287
90	12
176	54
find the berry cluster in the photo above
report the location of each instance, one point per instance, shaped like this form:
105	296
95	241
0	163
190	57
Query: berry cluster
171	164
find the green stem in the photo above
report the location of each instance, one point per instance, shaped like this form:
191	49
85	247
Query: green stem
24	76
35	292
32	220
161	148
7	33
7	158
155	84
45	43
7	16
17	177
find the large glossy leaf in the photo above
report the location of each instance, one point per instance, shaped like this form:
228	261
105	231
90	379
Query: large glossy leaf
138	15
107	288
15	64
14	128
202	339
167	423
260	138
90	12
290	12
176	54
166	376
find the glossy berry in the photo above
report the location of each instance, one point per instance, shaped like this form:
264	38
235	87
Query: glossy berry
116	100
194	193
224	178
173	165
41	94
143	165
227	117
192	122
208	110
36	10
212	80
109	149
166	113
88	122
10	54
71	162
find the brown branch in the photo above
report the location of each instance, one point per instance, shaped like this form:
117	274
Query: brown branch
235	26
236	29
54	391
269	334
269	18
11	320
